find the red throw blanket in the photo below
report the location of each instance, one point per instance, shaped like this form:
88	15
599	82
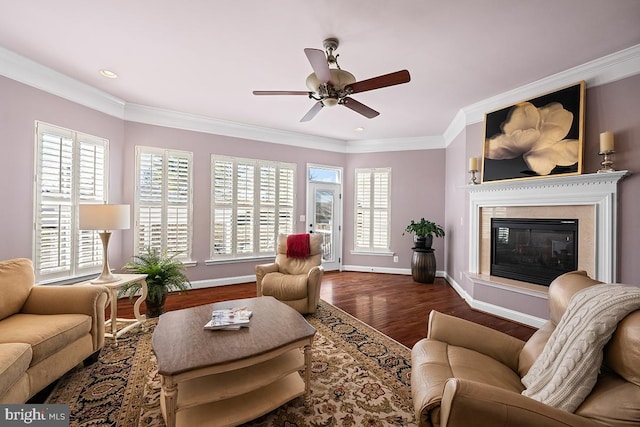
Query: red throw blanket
298	246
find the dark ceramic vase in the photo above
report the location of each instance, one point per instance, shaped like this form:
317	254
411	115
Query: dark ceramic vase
155	308
423	242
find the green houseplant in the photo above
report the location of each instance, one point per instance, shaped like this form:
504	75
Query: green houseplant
424	230
164	274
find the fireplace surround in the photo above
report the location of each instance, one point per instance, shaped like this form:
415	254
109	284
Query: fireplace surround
591	198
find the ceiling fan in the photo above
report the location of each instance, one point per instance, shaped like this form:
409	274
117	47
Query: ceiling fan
333	86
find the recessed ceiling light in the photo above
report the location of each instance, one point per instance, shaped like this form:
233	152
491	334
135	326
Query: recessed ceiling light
359	129
108	74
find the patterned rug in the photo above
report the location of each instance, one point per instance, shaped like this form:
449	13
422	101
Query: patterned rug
359	377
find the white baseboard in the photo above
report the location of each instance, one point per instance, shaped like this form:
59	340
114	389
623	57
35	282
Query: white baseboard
496	310
211	283
387	270
369	269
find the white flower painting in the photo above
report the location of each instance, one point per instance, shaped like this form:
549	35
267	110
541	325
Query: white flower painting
540	136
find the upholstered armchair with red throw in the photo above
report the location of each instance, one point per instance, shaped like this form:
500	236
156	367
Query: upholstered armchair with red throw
295	276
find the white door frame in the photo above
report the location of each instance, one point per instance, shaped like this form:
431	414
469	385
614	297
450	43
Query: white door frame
338	213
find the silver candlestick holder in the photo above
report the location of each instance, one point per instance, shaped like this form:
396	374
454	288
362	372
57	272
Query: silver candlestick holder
473	180
607	162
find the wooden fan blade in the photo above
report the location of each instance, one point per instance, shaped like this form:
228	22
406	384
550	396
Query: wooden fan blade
280	92
385	80
312	112
359	107
319	64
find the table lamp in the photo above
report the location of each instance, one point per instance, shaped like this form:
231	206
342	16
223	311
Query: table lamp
104	218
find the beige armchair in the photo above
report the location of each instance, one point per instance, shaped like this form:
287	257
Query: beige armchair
294	281
44	330
464	374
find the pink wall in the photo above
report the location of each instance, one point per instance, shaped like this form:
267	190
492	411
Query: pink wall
417	190
417	178
616	107
20	107
202	145
410	169
612	107
456	208
425	183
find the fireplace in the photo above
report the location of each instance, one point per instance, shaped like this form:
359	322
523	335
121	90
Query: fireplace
533	250
591	198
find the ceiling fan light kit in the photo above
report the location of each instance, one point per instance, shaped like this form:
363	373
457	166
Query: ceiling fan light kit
333	86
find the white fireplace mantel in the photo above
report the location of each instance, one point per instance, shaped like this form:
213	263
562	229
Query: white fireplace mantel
597	189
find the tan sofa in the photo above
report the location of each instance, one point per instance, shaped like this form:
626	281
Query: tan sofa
294	281
464	374
44	330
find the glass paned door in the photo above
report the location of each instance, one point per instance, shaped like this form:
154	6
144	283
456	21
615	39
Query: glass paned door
323	215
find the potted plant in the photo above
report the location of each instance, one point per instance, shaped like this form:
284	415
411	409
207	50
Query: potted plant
423	231
164	274
423	262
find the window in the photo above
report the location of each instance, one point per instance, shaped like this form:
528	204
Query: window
163	206
71	168
324	174
252	201
373	209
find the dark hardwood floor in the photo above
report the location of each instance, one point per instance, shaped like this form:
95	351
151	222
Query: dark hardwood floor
391	303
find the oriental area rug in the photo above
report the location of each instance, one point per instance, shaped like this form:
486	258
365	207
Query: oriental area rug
360	377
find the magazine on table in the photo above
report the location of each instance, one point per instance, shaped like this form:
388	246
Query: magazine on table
229	319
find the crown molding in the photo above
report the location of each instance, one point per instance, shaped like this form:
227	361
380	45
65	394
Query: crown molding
610	68
394	144
457	125
193	122
33	74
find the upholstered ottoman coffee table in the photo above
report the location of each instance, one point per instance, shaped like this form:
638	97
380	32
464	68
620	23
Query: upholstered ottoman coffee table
227	377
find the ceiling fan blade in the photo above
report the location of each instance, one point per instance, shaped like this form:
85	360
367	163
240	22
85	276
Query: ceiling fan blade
280	92
312	112
359	107
319	64
385	80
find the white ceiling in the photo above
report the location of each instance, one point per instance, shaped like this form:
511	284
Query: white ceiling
205	57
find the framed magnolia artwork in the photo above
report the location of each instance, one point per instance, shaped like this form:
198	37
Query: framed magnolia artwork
540	137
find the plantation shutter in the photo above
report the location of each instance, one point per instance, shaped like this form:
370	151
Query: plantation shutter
92	189
286	199
163	202
149	200
222	211
71	168
244	208
252	201
363	209
380	210
268	192
372	215
178	191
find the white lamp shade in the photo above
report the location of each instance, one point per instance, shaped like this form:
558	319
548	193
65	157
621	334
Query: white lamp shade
104	217
339	79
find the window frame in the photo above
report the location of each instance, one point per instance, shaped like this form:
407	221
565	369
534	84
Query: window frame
81	262
290	175
372	249
184	256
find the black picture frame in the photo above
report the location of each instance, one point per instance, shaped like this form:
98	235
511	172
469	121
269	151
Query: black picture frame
504	157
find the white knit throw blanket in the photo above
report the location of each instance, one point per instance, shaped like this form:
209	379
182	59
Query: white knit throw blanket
567	369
